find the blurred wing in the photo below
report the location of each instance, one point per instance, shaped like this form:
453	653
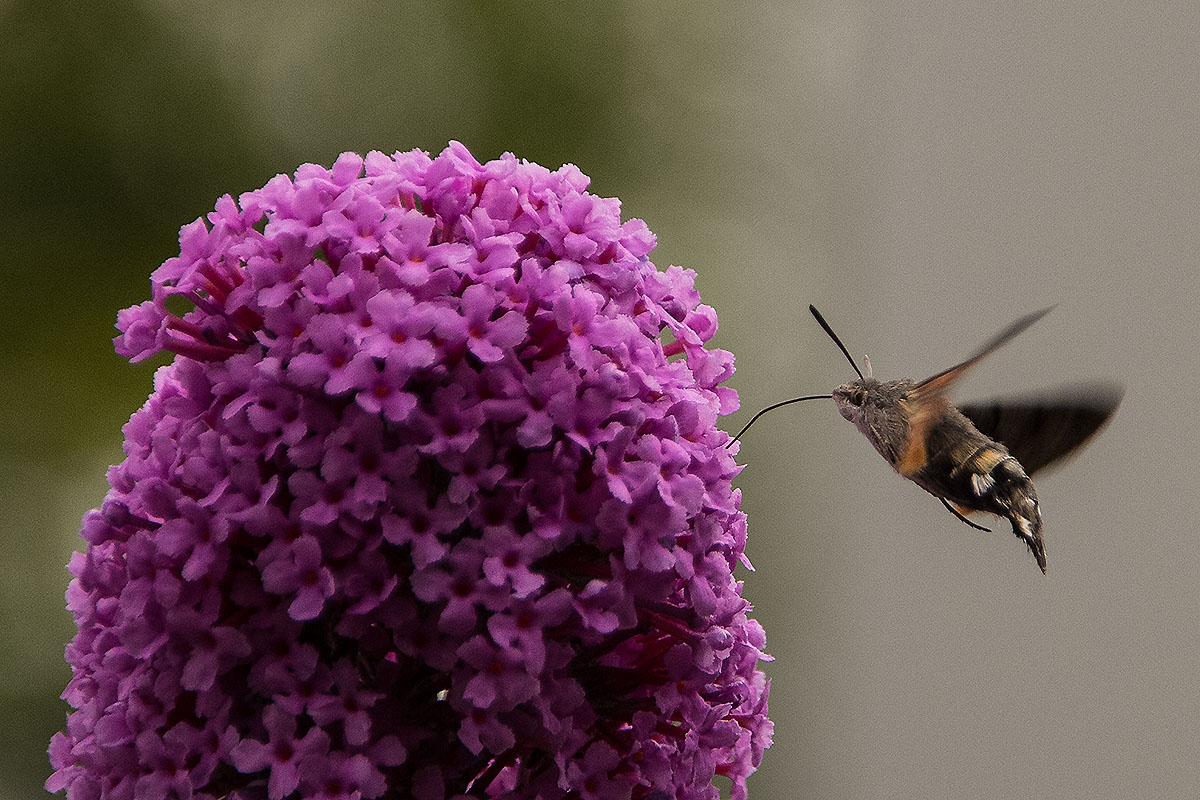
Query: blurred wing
942	381
926	402
1042	430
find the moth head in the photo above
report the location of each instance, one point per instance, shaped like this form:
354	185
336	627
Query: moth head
879	411
854	399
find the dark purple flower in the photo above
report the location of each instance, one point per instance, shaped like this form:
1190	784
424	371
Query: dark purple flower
301	574
350	705
521	628
283	753
424	506
499	677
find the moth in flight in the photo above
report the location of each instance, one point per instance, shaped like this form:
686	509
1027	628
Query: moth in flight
977	456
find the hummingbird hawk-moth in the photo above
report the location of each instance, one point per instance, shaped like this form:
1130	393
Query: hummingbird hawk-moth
973	457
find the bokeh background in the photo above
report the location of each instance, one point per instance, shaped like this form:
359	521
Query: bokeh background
924	172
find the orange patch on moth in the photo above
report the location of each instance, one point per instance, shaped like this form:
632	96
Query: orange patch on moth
921	412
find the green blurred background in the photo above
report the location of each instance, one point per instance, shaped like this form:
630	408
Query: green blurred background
923	172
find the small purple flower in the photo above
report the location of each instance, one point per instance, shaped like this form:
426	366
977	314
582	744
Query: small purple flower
282	754
499	679
511	560
488	338
423	507
521	629
350	705
302	574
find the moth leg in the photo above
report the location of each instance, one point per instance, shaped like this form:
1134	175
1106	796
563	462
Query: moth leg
955	512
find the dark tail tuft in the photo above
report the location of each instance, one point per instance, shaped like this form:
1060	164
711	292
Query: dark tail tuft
1038	548
1030	532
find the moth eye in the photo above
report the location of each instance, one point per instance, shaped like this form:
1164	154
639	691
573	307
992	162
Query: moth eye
858	397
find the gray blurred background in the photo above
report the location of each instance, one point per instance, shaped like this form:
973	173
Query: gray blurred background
923	172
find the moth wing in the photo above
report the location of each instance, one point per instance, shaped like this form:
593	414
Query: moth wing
927	401
944	379
1041	430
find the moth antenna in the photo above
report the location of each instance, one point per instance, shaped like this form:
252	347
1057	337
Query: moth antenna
867	361
754	419
836	340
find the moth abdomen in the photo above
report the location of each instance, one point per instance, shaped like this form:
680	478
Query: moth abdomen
973	472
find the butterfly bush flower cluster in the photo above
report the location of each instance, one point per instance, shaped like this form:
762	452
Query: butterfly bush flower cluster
430	503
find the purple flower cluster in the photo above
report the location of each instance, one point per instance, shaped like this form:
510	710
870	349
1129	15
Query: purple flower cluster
432	503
